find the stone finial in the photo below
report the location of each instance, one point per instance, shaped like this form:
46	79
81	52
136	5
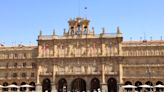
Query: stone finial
93	30
54	32
64	31
103	30
40	32
118	30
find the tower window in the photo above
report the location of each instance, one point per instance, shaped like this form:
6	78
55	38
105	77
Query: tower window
85	29
72	31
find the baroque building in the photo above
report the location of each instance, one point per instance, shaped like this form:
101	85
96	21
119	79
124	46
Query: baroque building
81	60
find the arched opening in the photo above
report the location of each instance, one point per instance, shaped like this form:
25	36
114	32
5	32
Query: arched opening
128	83
149	83
14	89
5	84
23	88
138	83
95	84
78	85
62	85
46	85
159	89
32	88
112	85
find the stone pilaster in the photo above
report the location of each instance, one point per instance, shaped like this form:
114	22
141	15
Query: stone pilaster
104	87
53	85
38	88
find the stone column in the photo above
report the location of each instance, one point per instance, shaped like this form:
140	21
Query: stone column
121	76
104	87
53	84
38	84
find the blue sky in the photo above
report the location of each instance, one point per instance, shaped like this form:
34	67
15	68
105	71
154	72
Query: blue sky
21	20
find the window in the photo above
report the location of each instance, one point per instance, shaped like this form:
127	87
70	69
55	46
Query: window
14	74
32	74
23	74
15	55
24	55
33	65
24	64
15	65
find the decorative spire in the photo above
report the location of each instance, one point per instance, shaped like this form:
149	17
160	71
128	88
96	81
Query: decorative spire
118	30
40	32
103	30
54	32
64	31
93	30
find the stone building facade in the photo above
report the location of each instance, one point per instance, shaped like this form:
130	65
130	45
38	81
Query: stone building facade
81	60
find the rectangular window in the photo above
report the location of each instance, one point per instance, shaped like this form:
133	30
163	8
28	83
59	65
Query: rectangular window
23	74
14	74
24	64
32	74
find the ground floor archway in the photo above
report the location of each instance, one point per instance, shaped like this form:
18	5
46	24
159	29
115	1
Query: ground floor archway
159	89
14	89
95	84
128	83
23	88
5	84
112	85
149	83
32	88
46	85
78	84
138	83
62	85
